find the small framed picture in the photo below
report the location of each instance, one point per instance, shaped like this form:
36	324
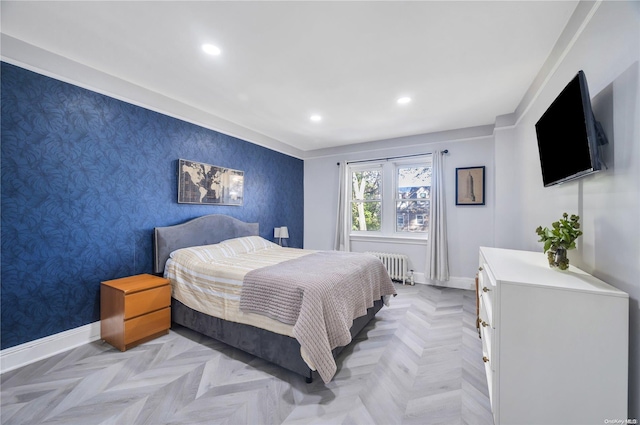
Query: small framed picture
470	186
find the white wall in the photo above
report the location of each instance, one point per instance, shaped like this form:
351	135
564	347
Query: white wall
468	227
608	50
603	39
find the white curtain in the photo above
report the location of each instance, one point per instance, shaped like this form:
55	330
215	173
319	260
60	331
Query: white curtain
342	228
437	252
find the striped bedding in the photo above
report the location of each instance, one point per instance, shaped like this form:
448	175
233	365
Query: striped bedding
209	278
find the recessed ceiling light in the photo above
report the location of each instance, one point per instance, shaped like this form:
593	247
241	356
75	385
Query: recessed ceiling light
403	100
315	118
211	49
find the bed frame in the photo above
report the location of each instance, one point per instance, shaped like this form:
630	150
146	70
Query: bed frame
279	349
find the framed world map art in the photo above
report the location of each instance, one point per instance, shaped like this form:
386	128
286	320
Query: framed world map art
200	183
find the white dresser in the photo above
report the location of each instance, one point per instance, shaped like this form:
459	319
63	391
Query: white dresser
555	343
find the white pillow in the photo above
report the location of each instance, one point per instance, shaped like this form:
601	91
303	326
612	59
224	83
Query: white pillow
247	244
203	253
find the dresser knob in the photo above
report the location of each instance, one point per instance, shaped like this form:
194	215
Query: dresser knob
480	268
484	324
485	289
485	359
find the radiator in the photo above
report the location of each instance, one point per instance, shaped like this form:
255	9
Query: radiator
396	265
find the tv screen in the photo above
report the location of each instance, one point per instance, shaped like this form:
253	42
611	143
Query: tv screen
569	136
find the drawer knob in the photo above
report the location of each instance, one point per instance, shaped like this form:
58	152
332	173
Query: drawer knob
485	359
483	323
480	268
485	289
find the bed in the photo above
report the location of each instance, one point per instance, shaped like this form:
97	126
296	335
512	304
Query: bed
208	300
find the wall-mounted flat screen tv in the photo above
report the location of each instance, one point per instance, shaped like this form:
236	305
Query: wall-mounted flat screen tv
569	137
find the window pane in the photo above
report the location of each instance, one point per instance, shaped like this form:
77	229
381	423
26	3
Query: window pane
366	195
366	184
412	198
414	182
412	216
366	216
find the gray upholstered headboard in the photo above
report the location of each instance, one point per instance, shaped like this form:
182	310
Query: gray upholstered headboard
205	230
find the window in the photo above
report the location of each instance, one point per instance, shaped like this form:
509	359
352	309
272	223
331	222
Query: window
413	187
366	199
390	198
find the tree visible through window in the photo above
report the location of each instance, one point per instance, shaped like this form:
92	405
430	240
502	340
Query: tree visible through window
413	189
366	200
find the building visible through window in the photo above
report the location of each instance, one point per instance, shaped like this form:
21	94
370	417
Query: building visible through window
413	188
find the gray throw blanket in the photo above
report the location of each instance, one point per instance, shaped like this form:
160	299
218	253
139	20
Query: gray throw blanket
320	294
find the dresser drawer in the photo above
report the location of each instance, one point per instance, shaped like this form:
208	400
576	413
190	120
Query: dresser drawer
488	341
147	301
142	326
491	384
486	318
487	290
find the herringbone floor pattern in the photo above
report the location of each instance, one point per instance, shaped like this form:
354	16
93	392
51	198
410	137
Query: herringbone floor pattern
418	362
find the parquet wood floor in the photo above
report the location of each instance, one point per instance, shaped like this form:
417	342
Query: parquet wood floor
418	362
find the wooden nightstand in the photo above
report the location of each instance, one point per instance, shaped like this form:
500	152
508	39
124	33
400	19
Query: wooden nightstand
134	310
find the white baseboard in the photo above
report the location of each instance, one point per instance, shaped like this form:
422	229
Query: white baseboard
32	351
453	282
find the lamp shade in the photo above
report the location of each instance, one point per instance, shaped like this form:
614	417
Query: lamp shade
276	232
284	232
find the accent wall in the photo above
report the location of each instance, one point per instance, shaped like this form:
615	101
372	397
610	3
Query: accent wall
86	178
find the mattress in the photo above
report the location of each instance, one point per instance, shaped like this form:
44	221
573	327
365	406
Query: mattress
209	278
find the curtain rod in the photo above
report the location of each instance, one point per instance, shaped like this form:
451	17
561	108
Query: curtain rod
395	157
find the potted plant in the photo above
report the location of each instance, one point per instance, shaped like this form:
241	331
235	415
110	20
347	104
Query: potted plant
559	238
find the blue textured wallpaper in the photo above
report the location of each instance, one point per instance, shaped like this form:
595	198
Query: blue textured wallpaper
86	178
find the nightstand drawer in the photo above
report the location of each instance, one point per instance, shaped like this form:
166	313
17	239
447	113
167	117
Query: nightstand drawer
146	301
150	324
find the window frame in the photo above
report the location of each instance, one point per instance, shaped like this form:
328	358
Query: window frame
389	191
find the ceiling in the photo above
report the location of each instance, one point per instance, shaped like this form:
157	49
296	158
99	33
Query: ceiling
462	63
